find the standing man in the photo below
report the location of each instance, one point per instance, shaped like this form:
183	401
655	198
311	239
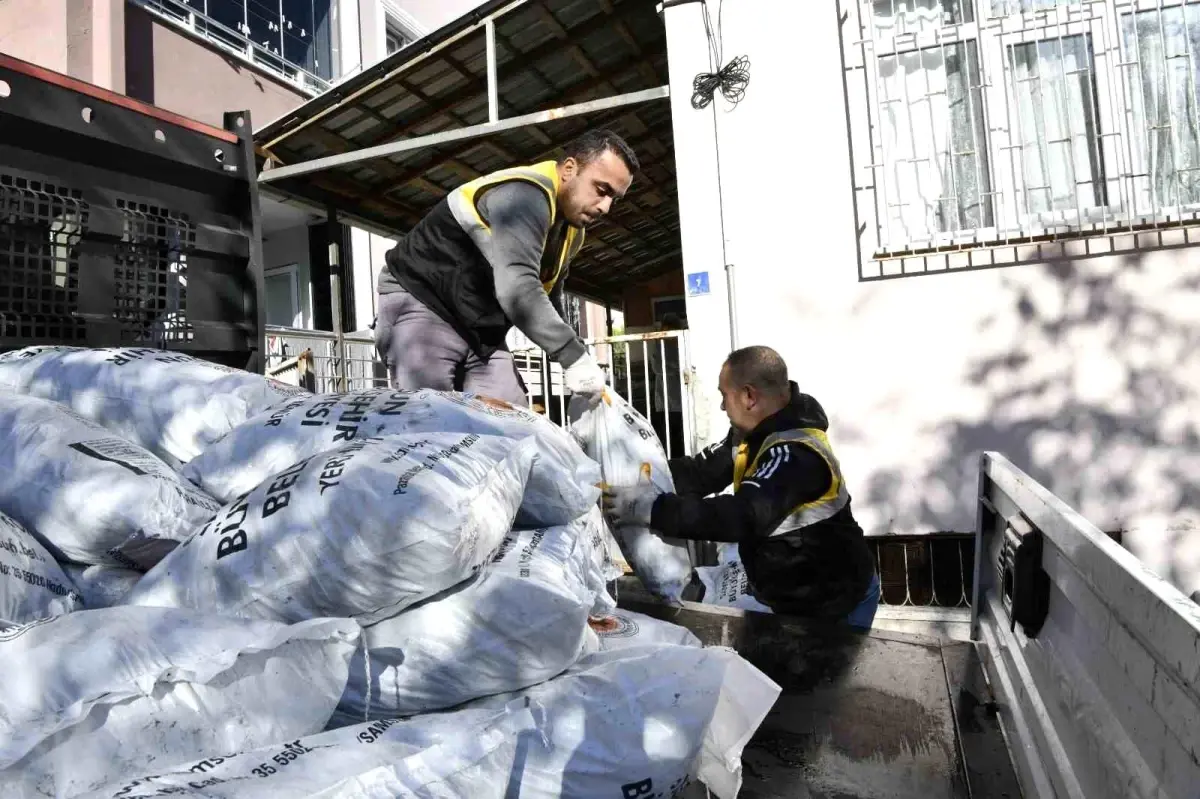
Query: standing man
493	254
789	513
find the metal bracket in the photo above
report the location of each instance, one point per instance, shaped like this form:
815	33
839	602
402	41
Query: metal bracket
1025	586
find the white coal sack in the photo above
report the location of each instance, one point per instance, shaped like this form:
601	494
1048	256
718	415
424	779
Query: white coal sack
629	452
561	487
642	721
522	620
32	585
622	628
94	696
101	586
465	754
172	404
362	531
89	496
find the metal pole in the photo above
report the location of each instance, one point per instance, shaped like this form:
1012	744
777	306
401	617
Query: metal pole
462	134
334	235
628	374
608	319
662	365
732	296
493	89
646	376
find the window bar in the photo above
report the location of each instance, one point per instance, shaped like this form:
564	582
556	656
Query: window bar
963	599
871	60
933	597
979	152
1147	172
1110	54
907	591
952	196
662	360
1023	218
1065	111
1190	87
1170	126
912	131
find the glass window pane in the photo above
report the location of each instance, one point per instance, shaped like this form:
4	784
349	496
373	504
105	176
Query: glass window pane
935	174
262	17
1001	8
298	32
322	47
396	39
1053	87
230	13
896	17
283	307
1165	45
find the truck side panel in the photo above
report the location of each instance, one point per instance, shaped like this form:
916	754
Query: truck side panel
1102	700
123	224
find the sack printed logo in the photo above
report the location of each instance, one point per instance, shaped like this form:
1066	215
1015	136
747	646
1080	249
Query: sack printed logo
613	626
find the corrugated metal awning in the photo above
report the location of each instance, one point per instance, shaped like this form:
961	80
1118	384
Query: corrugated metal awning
433	120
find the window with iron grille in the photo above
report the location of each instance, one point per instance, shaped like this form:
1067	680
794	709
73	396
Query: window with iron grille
994	122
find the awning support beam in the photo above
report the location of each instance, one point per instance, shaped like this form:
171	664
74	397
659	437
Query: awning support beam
461	134
492	82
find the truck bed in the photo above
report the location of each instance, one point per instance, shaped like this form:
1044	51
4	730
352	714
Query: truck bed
869	716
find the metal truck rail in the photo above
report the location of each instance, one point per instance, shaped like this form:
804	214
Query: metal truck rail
1081	681
124	224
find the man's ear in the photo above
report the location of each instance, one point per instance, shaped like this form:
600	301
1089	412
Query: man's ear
569	168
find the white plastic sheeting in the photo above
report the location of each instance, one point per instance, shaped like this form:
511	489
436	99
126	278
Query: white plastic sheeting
363	531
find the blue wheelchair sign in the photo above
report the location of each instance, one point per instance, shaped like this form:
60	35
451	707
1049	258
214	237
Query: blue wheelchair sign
697	284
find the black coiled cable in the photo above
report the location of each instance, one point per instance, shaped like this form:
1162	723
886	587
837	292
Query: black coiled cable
730	80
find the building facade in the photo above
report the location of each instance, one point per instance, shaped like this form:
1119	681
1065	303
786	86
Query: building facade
201	58
988	243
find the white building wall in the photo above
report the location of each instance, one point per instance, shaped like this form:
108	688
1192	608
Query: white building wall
1083	371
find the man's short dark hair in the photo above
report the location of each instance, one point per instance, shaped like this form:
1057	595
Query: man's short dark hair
761	367
591	145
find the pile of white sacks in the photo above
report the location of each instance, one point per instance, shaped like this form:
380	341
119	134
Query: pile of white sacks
215	585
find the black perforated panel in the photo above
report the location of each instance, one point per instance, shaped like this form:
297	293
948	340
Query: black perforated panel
150	274
41	225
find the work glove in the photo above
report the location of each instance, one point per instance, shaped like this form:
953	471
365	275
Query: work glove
585	378
629	506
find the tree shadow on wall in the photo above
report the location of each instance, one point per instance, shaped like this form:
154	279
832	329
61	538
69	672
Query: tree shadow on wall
1095	395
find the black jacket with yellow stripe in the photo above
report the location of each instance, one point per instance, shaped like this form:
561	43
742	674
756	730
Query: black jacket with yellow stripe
804	553
453	259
